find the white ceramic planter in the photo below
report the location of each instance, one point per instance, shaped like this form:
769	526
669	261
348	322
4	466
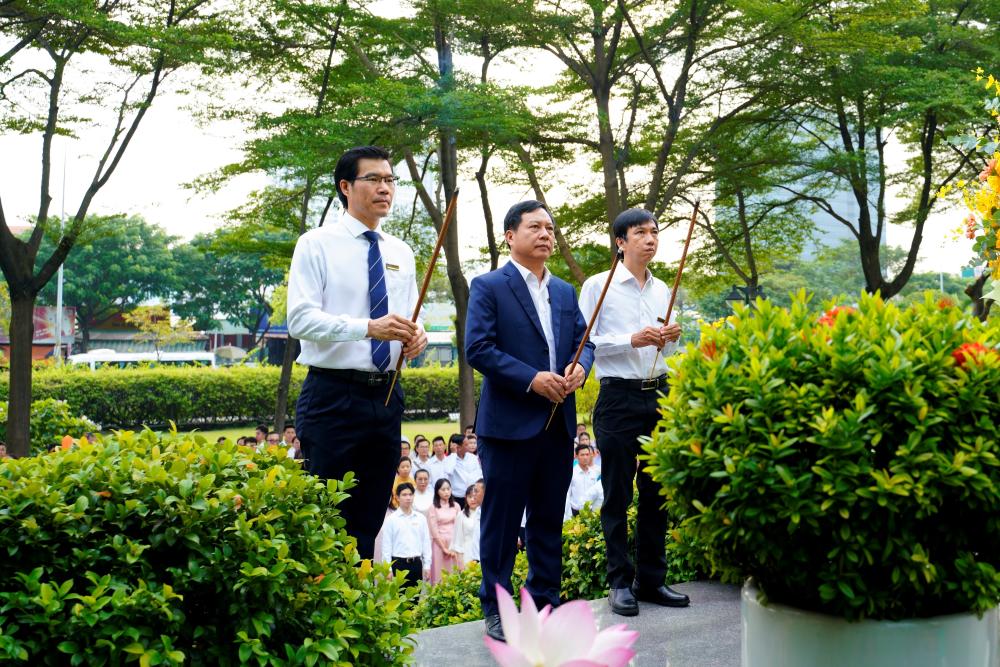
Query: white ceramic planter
779	636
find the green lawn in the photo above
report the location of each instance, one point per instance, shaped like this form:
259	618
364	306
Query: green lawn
429	429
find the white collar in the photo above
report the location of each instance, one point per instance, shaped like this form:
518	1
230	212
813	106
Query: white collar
626	275
525	272
356	228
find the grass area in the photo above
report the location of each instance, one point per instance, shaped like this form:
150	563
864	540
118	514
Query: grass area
428	429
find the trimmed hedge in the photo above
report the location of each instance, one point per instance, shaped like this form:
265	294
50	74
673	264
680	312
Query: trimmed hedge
189	397
171	550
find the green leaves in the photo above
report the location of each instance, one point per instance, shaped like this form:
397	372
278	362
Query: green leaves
173	550
867	466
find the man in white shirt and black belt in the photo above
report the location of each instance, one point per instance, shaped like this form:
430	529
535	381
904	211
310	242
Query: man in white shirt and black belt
406	538
351	291
626	336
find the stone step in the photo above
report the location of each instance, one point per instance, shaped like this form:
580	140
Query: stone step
705	634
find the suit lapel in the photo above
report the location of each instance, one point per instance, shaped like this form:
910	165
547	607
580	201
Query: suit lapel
520	290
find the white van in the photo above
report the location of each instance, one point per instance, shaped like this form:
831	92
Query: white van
105	357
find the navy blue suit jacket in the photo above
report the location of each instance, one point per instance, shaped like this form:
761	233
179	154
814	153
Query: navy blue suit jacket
504	341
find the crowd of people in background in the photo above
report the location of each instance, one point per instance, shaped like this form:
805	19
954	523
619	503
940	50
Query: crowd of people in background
432	523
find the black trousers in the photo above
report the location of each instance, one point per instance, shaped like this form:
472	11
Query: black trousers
344	426
411	566
532	475
621	415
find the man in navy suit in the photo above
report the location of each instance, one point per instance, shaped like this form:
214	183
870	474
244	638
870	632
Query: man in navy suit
523	328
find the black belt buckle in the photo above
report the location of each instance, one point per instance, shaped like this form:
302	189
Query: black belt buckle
379	379
648	385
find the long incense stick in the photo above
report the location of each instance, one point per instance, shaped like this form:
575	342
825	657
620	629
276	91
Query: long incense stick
427	281
590	325
677	283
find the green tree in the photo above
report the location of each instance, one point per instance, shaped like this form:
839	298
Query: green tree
116	264
875	77
215	279
64	62
156	325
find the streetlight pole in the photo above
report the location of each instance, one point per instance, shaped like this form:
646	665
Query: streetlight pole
59	277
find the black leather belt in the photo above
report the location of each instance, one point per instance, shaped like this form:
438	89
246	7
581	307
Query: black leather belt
641	385
367	378
412	559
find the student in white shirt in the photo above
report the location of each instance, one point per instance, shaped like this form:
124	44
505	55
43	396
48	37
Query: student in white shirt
423	496
439	465
585	487
351	293
465	467
406	539
421	454
629	339
465	541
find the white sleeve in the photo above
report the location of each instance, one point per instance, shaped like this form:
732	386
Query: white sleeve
604	344
387	541
306	318
458	539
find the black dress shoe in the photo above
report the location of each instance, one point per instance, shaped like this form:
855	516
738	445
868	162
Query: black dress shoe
623	602
494	628
662	595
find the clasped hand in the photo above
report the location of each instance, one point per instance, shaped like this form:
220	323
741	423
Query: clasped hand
557	387
657	336
397	327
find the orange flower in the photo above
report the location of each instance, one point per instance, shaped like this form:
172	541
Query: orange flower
946	302
251	465
970	352
829	318
104	494
318	578
708	349
990	166
237	501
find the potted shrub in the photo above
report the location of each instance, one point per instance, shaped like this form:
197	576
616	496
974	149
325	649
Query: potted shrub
846	463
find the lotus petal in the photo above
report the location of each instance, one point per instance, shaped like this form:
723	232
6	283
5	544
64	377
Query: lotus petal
505	654
568	633
508	616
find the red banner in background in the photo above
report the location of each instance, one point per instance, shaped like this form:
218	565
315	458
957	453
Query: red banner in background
45	324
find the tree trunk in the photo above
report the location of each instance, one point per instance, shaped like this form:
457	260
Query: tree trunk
448	163
980	306
22	330
609	162
84	337
281	404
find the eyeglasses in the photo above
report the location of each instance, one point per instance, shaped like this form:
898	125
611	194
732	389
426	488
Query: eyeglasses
374	180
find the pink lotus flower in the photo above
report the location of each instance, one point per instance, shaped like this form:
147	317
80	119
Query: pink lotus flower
566	637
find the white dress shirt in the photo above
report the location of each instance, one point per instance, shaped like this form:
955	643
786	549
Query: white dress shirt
627	309
422	501
585	487
406	536
466	538
328	304
438	468
464	473
539	291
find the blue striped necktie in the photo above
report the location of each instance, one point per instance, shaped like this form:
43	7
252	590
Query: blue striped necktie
378	299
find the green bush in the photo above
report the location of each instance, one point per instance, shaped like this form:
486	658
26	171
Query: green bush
847	462
172	550
455	599
201	397
51	419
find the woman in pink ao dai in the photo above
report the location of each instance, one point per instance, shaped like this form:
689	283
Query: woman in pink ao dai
441	518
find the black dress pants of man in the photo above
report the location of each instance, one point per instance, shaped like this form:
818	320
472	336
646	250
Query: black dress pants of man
344	426
621	415
412	567
533	474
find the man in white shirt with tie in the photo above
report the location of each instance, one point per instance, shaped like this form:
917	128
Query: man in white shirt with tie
351	291
626	336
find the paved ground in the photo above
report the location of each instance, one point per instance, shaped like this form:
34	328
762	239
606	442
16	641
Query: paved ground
706	634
